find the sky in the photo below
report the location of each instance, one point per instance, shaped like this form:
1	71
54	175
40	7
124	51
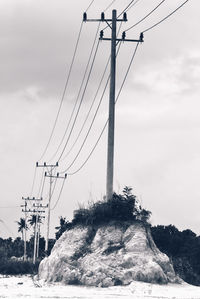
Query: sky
157	132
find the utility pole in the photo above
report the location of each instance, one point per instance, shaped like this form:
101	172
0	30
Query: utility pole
111	122
52	167
51	176
36	212
36	236
25	220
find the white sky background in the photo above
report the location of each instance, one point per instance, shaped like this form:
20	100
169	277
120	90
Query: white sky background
157	145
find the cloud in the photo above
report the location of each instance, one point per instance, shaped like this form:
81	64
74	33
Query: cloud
170	77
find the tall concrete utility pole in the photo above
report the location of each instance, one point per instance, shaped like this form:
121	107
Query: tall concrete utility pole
111	122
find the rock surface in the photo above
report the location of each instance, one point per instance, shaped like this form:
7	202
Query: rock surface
105	256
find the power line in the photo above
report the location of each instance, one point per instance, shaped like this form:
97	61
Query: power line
64	91
165	17
79	92
146	15
33	183
92	102
109	5
83	143
59	195
79	103
89	5
41	182
130	5
93	149
11	207
125	9
94	117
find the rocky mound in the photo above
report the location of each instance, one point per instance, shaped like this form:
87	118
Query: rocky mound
105	256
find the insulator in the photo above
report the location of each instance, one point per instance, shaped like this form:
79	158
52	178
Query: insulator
36	164
57	164
102	16
123	35
101	34
84	17
125	17
141	37
65	175
45	164
45	174
57	174
33	198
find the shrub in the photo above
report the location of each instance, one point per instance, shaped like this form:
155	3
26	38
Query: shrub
13	267
120	207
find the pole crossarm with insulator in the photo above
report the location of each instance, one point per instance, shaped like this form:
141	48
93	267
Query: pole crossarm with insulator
112	24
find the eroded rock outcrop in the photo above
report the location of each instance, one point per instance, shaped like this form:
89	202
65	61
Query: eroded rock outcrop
107	255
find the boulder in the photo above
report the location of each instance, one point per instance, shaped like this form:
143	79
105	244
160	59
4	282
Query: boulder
107	255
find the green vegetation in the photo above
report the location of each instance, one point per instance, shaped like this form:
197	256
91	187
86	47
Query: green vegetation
120	208
11	255
15	267
183	248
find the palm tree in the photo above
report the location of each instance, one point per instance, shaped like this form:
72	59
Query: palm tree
22	227
34	221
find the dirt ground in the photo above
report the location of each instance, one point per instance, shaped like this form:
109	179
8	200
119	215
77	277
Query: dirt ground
25	287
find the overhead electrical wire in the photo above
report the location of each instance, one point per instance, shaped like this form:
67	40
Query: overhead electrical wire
132	5
129	6
64	91
158	23
88	132
145	16
33	183
41	182
94	117
59	195
89	5
93	149
91	106
82	127
42	189
11	207
79	92
80	104
109	5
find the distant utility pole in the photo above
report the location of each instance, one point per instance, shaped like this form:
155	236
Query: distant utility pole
36	212
111	122
37	230
51	176
25	220
52	167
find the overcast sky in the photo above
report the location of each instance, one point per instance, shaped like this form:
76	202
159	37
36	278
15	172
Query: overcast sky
157	138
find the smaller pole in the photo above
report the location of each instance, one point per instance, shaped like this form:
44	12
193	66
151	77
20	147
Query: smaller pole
25	216
35	237
38	240
49	212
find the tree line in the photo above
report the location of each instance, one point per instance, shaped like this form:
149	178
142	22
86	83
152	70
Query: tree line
182	247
